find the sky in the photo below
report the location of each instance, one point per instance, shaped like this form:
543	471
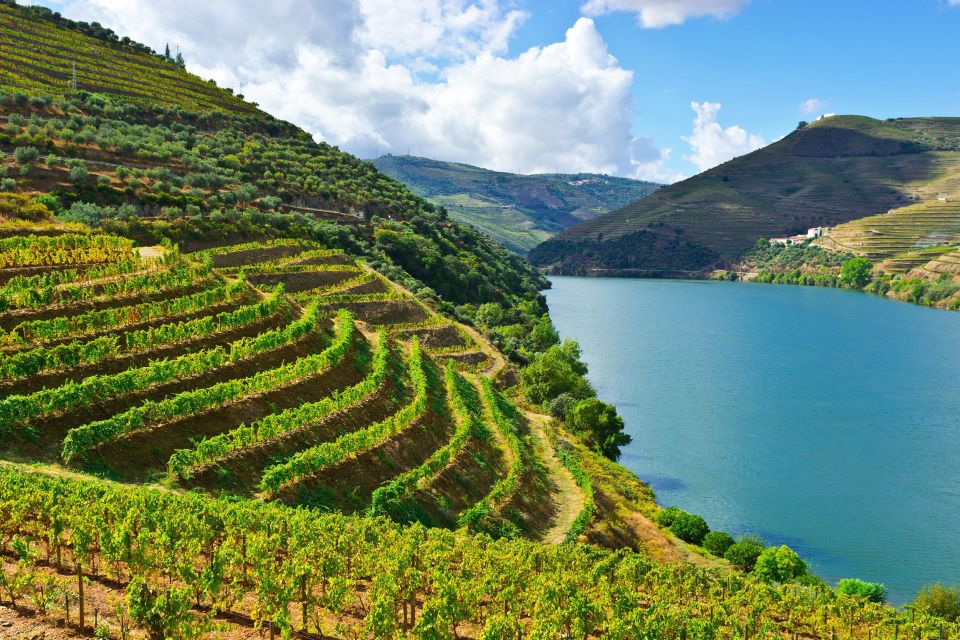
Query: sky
649	89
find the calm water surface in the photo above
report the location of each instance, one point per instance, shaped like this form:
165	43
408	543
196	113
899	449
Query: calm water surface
823	419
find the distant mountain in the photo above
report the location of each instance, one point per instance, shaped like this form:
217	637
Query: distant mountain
827	173
520	211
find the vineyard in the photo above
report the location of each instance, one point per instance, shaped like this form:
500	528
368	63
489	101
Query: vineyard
280	372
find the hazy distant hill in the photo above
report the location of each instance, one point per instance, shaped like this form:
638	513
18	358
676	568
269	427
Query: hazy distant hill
833	171
518	210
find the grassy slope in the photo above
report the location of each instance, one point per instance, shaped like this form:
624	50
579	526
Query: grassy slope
519	211
833	171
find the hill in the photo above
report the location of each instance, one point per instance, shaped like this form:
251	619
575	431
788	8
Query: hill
519	211
250	385
830	172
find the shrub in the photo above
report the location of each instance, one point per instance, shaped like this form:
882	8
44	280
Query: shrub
79	174
665	517
48	200
872	591
744	552
939	600
561	405
717	542
689	527
780	564
26	155
8	184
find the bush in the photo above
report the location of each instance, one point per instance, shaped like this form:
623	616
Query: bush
689	527
744	552
780	564
872	591
665	517
561	405
78	175
939	600
26	155
8	184
717	542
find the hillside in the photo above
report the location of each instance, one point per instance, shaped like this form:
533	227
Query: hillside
519	211
830	172
250	386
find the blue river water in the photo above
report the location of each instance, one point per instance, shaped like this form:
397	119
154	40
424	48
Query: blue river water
825	419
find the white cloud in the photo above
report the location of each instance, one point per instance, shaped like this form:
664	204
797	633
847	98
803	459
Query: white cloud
711	144
655	14
428	76
811	106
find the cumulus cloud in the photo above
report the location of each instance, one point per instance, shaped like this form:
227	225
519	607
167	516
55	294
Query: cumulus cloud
812	105
711	144
428	76
655	14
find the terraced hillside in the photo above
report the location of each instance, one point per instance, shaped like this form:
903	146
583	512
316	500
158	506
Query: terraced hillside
39	54
830	172
276	371
519	211
902	239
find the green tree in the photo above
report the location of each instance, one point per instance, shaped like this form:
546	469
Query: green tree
79	175
939	600
779	564
599	425
855	272
744	552
26	155
872	591
717	542
557	370
689	527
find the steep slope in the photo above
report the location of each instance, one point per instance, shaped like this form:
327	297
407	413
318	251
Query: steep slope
833	171
519	211
40	53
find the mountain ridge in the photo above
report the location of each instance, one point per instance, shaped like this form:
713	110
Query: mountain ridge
518	210
832	171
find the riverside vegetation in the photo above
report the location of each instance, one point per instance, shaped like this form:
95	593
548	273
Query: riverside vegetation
251	385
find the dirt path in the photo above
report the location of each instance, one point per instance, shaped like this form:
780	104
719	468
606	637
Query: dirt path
151	253
563	488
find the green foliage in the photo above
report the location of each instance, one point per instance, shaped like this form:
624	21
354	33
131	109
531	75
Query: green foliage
689	527
744	552
856	588
665	517
26	155
599	425
779	564
939	600
164	613
557	370
855	272
560	406
717	542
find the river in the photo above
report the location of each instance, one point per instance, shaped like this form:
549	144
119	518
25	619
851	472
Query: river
824	419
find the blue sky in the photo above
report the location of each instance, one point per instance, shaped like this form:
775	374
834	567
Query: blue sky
529	85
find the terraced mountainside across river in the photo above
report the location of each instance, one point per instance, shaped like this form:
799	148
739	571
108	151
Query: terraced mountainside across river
519	211
833	171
